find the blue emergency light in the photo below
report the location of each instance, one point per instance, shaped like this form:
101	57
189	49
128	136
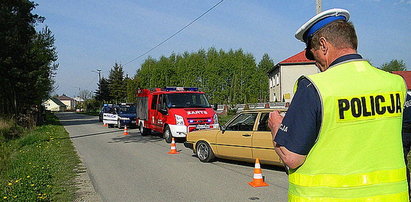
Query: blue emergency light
180	89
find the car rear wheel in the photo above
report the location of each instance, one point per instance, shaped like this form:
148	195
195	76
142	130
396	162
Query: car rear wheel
204	152
144	131
167	134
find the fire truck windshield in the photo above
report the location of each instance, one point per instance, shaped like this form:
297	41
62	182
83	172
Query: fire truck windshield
186	100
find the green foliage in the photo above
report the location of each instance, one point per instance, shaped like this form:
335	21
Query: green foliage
264	66
223	119
227	77
393	65
26	58
39	166
92	105
116	84
131	90
103	92
9	129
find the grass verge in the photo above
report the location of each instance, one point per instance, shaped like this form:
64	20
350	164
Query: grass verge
40	165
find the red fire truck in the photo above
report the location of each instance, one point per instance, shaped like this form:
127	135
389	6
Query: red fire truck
173	111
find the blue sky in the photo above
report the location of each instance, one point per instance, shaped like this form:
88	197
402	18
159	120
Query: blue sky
93	34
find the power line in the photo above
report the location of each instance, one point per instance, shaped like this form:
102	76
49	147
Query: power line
161	43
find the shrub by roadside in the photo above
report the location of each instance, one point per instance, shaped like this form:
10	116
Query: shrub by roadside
40	165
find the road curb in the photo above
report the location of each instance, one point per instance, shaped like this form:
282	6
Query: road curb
85	188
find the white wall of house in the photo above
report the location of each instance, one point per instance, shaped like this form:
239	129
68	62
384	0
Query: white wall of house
283	78
274	86
69	103
290	74
52	106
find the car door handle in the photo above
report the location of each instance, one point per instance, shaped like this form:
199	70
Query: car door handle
246	135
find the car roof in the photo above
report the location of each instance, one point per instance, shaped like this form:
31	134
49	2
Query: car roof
264	110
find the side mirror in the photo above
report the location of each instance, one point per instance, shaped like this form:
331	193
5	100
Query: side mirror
163	111
222	128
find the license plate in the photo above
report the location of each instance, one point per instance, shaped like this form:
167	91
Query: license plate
202	126
133	121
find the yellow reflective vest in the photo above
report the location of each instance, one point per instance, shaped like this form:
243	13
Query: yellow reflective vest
358	154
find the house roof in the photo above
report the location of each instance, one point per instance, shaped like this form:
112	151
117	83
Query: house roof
64	97
297	59
407	77
57	101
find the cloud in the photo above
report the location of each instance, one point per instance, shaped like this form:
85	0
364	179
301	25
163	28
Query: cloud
404	2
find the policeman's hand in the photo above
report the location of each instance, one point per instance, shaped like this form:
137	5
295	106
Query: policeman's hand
274	122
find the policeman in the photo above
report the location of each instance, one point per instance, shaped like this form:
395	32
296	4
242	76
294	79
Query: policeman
341	136
406	134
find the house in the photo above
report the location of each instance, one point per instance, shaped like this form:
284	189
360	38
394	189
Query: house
55	105
407	78
68	101
283	76
78	99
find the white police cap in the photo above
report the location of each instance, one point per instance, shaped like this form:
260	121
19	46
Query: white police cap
319	21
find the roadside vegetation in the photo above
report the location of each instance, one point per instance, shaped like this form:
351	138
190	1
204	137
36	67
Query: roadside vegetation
38	164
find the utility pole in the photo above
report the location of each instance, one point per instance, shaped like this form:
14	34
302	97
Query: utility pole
99	75
99	78
318	6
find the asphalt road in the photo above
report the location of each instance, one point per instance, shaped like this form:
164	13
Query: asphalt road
136	168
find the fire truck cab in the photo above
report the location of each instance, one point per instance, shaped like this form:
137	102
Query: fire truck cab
174	111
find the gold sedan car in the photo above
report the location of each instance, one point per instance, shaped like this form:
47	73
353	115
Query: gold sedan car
244	138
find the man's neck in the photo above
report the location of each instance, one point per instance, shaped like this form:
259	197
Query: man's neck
341	52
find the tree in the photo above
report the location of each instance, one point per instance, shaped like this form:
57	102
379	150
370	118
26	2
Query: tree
227	77
103	92
264	66
394	65
116	84
85	94
131	89
26	58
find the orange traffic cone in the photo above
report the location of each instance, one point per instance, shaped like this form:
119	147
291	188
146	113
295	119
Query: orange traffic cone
105	125
125	130
173	149
258	180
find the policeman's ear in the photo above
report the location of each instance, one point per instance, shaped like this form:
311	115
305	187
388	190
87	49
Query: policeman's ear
324	45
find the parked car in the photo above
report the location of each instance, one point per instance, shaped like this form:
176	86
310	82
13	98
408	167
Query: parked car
244	138
127	115
120	116
105	109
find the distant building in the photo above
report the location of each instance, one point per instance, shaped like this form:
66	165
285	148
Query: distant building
78	99
55	105
283	76
68	101
407	78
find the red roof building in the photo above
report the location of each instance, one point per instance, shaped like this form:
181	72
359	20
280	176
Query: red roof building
283	76
407	77
299	58
68	101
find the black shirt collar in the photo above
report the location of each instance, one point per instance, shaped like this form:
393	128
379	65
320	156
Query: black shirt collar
345	58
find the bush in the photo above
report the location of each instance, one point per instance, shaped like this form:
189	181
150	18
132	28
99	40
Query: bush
92	105
9	130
